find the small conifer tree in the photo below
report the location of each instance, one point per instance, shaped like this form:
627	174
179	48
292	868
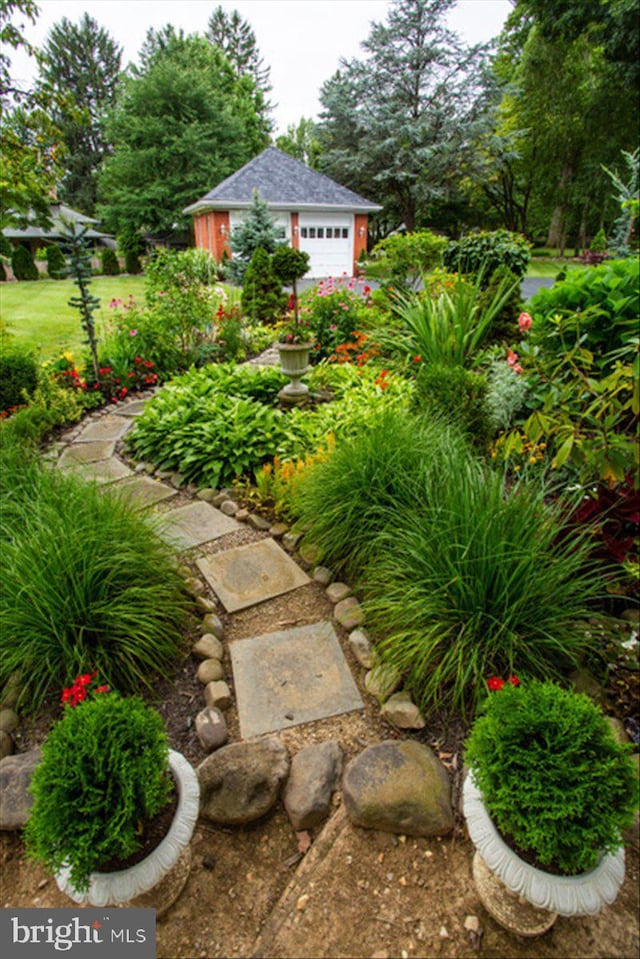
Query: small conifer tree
56	263
110	265
262	298
258	230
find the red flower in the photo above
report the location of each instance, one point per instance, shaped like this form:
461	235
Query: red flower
417	359
513	680
102	689
495	683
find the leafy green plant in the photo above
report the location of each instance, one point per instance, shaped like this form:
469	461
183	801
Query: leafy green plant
289	266
56	263
334	312
405	258
507	393
475	579
132	263
23	265
552	775
18	376
132	331
109	262
262	298
51	405
482	253
504	324
104	773
456	395
85	583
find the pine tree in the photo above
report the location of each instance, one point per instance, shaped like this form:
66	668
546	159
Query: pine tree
258	230
236	39
262	298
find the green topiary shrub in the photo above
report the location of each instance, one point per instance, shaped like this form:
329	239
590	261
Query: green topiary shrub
132	263
104	773
405	258
23	265
458	396
262	298
504	326
56	263
552	775
18	375
599	242
484	252
109	262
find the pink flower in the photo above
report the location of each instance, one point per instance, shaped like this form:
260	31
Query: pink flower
133	332
517	368
524	322
512	358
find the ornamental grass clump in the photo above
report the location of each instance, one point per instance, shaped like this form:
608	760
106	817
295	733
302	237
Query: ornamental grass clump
84	583
104	773
553	777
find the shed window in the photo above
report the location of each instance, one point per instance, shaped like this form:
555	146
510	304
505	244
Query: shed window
303	232
345	233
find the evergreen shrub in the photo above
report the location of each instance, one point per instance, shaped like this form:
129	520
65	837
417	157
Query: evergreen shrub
109	262
132	263
263	300
458	396
18	375
56	263
104	772
23	265
482	253
552	774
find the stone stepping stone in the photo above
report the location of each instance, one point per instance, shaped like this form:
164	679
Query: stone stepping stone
291	677
89	452
101	472
140	491
136	408
247	575
109	427
194	524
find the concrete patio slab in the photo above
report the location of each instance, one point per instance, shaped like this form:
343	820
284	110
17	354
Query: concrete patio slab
194	524
247	575
101	472
87	452
141	491
136	408
109	427
291	677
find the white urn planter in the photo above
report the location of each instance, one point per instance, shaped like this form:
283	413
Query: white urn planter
294	363
157	880
523	898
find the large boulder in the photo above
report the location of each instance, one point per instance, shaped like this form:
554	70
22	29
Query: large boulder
315	774
241	782
15	779
399	787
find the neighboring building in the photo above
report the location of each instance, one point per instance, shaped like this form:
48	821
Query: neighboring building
35	236
317	215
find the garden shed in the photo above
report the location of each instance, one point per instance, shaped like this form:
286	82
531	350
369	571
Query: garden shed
34	236
316	214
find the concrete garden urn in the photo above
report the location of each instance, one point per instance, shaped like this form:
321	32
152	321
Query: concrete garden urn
522	898
158	879
294	362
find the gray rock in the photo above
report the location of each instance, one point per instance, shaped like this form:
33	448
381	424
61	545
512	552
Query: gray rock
149	468
211	729
6	744
229	508
210	671
398	787
310	553
217	694
349	613
337	592
207	494
11	692
177	480
401	711
220	498
315	774
8	720
195	587
291	540
362	648
322	575
15	779
213	624
208	647
205	605
278	530
161	474
242	782
382	681
242	515
259	522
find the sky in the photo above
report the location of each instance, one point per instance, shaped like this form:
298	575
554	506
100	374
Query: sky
302	41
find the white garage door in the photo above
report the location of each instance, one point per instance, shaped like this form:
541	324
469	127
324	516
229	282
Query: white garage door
328	239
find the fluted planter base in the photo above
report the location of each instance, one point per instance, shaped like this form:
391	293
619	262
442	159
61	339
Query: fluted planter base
156	881
512	911
294	363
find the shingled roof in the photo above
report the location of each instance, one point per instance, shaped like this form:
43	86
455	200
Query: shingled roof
282	182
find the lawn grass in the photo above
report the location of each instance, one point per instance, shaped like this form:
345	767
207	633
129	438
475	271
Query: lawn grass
551	266
37	313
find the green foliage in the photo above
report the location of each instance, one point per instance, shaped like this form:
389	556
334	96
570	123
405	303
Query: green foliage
109	262
504	327
290	265
263	300
448	328
81	273
56	263
108	595
104	773
552	775
473	579
599	242
405	258
482	253
333	313
458	396
18	377
23	265
301	142
507	393
51	405
132	263
234	36
257	230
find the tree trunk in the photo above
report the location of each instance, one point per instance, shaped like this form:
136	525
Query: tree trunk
557	235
